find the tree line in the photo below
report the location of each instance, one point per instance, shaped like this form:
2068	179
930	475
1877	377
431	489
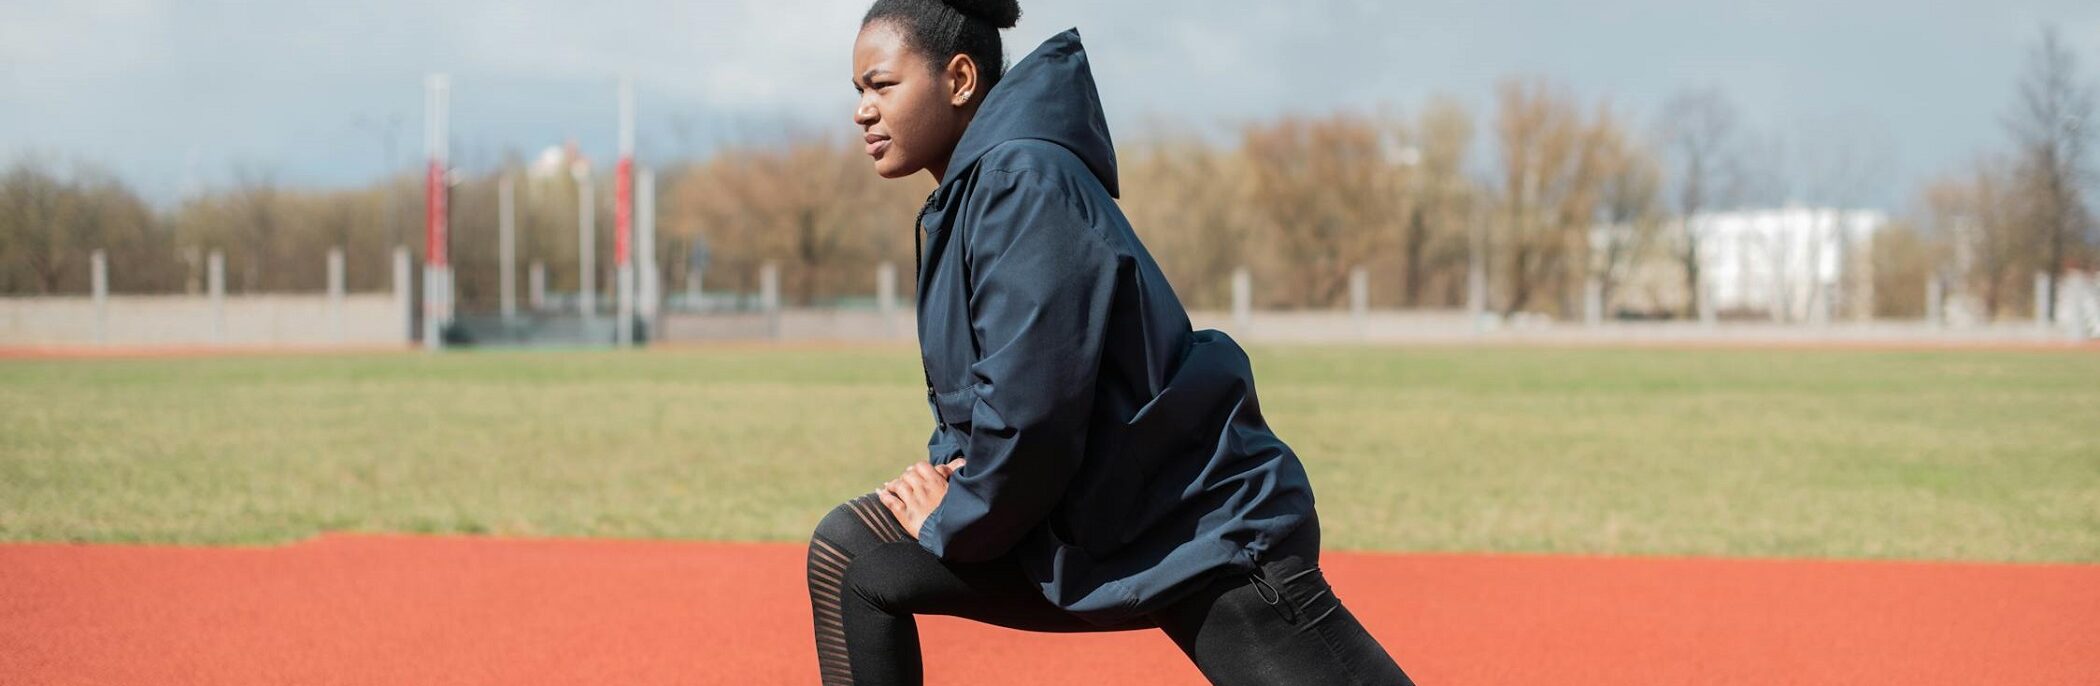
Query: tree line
1545	195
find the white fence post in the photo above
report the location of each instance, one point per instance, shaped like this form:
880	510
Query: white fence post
215	285
507	246
437	271
623	304
1242	299
335	291
2079	308
623	264
652	280
586	247
404	299
1593	301
1359	293
98	275
769	296
1476	292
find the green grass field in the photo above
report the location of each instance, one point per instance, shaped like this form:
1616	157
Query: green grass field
1929	455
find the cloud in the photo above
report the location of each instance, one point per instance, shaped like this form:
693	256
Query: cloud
157	88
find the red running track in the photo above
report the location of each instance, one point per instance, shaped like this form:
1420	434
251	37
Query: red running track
363	609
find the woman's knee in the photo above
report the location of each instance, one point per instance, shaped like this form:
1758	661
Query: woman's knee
860	523
841	525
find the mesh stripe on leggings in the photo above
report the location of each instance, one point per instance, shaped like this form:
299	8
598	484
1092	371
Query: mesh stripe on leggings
827	581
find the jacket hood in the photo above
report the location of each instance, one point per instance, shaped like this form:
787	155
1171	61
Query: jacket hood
1049	95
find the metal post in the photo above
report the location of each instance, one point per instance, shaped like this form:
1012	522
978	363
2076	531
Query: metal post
1242	298
437	282
335	292
435	291
623	334
651	280
586	245
623	220
507	245
403	298
98	275
215	285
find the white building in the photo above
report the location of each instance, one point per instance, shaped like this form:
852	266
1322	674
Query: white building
1795	263
558	162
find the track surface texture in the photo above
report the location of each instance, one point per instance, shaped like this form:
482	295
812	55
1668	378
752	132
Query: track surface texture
372	609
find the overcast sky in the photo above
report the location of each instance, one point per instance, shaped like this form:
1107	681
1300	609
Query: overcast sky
176	96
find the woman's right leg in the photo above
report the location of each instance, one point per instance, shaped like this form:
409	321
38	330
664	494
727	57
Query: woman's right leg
868	577
848	532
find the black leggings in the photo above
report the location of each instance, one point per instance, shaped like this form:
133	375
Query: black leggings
868	577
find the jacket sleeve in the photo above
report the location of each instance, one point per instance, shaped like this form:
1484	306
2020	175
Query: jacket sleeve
1042	284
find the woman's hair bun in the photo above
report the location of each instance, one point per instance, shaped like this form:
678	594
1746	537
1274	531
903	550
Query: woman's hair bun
999	13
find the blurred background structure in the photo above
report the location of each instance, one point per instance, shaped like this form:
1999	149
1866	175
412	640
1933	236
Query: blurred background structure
1542	204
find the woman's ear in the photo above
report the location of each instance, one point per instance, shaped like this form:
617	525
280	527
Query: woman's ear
962	80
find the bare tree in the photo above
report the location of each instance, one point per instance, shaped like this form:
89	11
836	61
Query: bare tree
1436	234
1698	129
1765	174
2052	125
1904	258
1629	209
1325	188
1844	170
256	225
1976	215
51	222
1552	169
34	210
1185	198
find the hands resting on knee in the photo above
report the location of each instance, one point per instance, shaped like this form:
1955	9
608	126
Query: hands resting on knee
913	495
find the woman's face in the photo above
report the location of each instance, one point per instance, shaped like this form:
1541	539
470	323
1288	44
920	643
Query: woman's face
911	113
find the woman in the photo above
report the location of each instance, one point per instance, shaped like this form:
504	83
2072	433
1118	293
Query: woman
1095	464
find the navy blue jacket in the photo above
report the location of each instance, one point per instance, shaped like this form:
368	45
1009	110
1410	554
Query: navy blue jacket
1117	455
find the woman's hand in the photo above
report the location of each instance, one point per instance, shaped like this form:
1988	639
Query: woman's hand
913	495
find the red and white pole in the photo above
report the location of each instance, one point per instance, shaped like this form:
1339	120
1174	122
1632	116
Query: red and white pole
437	272
623	215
